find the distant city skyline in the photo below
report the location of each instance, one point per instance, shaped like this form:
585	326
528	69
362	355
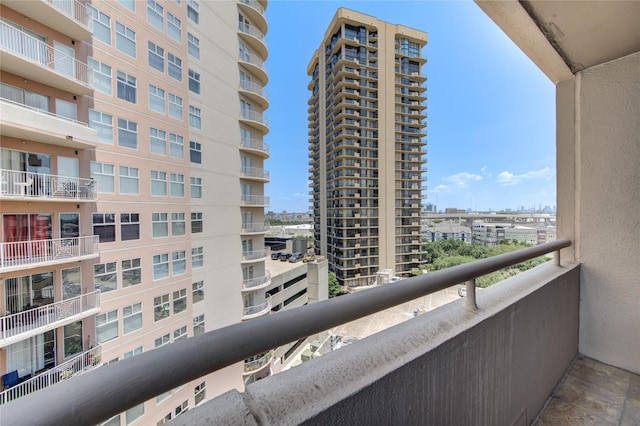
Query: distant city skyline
491	124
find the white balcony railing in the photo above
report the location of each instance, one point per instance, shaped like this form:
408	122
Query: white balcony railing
256	283
248	228
254	116
15	184
17	255
25	324
253	59
252	87
253	31
33	50
255	200
254	4
74	10
254	255
254	172
257	310
255	145
86	361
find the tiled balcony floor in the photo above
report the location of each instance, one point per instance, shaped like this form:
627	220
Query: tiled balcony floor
593	393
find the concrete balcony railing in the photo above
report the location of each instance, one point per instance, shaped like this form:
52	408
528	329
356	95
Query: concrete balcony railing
35	253
44	187
256	13
29	323
491	361
86	361
28	57
69	17
256	63
256	119
255	255
257	173
255	200
254	37
254	145
255	311
253	284
255	92
257	363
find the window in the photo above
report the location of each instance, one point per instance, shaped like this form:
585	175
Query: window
72	338
174	27
160	266
134	413
193	11
129	226
196	187
198	325
180	334
155	14
197	257
133	352
195	152
131	272
104	175
126	87
178	224
175	106
177	186
156	56
182	408
160	224
174	66
131	319
163	340
105	276
179	300
101	75
129	4
194	81
101	25
193	45
200	393
103	124
176	144
129	180
161	307
179	262
107	326
164	420
195	119
157	141
156	99
158	183
127	133
125	39
104	225
198	291
196	222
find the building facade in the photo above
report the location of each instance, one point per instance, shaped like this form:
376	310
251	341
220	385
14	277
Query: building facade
132	165
367	146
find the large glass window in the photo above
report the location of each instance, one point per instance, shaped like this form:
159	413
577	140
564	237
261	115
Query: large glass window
129	180
125	39
176	144
165	339
174	27
156	99
27	292
158	141
72	338
105	276
129	226
177	185
131	272
126	87
102	123
161	307
102	75
174	66
127	133
104	175
161	266
193	45
197	289
134	413
155	14
179	262
71	283
131	318
179	300
101	25
104	225
177	224
107	326
131	5
158	183
160	224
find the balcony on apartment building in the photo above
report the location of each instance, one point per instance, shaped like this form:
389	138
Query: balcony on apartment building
256	13
254	173
254	201
255	146
29	321
257	363
24	55
255	92
69	17
26	116
78	364
33	253
257	283
255	255
257	310
255	119
30	187
254	37
254	228
256	64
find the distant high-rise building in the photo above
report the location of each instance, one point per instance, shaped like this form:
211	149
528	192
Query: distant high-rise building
132	192
367	146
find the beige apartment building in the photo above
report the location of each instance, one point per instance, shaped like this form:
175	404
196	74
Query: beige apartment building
367	146
132	193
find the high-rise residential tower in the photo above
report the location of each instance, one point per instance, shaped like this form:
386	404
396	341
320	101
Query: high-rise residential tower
132	193
367	146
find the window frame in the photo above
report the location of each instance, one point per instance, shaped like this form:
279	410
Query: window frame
178	258
130	131
195	186
102	73
193	46
128	176
127	36
104	126
108	269
126	87
197	291
155	56
195	117
175	106
128	267
110	318
157	219
99	171
161	307
104	224
174	66
157	94
160	265
176	146
179	297
160	177
195	152
176	183
130	223
194	81
134	311
197	257
174	27
154	140
152	11
197	223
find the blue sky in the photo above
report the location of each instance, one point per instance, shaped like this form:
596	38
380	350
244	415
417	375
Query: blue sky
491	112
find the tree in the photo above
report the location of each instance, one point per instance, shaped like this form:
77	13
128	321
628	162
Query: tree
334	285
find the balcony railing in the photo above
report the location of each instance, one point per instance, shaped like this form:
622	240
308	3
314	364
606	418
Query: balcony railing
25	324
255	255
257	363
35	51
86	361
155	372
257	283
255	88
255	200
253	31
70	17
33	253
258	310
255	145
254	60
254	116
254	172
249	228
39	186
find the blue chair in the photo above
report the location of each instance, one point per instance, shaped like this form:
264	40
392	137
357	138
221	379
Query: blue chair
10	379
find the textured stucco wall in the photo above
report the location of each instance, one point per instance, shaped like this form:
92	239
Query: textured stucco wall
497	365
604	148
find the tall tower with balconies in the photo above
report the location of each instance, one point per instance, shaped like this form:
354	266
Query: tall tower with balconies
132	187
367	146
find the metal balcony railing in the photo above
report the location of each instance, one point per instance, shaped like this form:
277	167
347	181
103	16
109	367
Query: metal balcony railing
32	253
253	59
86	361
75	10
28	47
254	4
255	200
21	325
254	255
15	184
254	172
252	87
253	31
257	363
254	116
257	310
248	228
155	372
256	283
255	144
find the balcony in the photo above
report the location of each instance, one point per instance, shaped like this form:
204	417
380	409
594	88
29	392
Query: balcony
256	13
257	363
30	323
255	146
253	284
255	92
69	17
254	201
256	64
43	187
255	311
255	173
255	256
253	228
82	363
15	256
31	59
255	119
255	38
22	121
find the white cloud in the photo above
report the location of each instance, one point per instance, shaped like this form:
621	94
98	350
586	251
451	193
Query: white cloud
460	180
507	178
299	195
440	188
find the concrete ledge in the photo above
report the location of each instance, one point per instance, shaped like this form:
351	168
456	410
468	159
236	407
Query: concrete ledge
496	365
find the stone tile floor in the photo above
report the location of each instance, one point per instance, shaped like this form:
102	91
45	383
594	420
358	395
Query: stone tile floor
593	393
